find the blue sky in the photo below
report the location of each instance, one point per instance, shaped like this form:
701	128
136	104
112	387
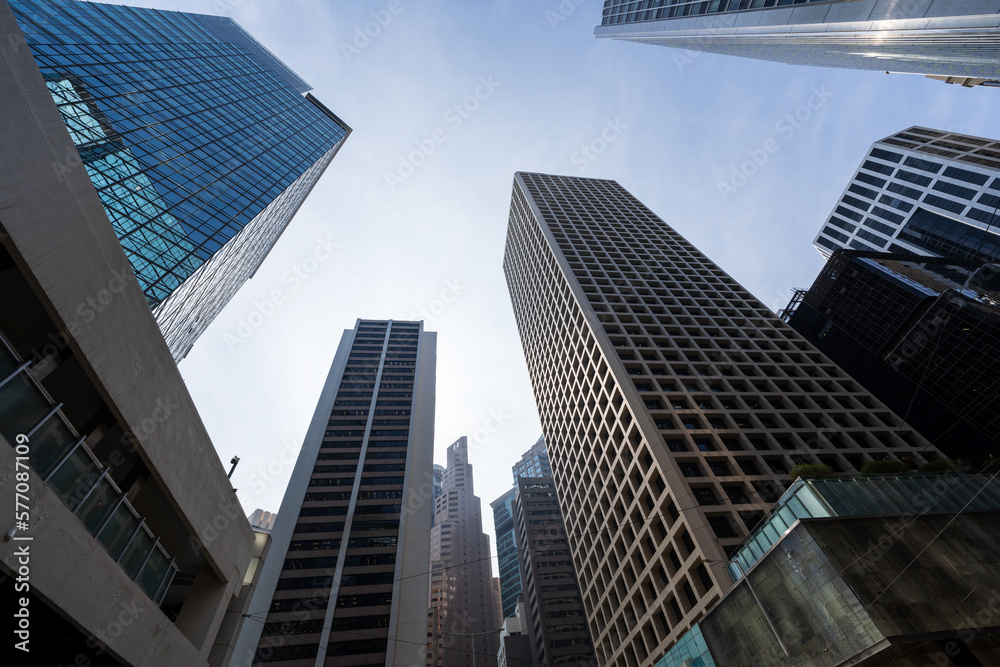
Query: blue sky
669	126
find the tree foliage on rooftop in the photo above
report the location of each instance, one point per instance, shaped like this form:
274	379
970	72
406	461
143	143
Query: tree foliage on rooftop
808	470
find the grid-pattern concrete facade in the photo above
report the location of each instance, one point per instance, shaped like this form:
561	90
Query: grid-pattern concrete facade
921	191
553	606
956	38
346	579
673	404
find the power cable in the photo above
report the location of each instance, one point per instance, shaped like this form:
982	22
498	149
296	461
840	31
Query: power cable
932	540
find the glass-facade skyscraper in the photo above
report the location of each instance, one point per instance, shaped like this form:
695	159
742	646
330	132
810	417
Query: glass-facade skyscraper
507	564
932	37
921	191
200	142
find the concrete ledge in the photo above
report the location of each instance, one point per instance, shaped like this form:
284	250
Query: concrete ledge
72	570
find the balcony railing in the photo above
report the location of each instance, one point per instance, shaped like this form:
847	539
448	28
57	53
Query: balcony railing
61	459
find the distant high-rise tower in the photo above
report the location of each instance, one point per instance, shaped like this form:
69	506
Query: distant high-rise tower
461	619
533	463
262	520
201	144
933	37
921	191
506	540
345	582
673	405
438	478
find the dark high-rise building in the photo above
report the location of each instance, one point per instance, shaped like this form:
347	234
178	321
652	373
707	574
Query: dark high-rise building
921	333
673	405
345	582
200	143
553	607
462	624
533	463
949	38
921	191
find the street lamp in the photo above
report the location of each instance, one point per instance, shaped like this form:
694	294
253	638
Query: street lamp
476	634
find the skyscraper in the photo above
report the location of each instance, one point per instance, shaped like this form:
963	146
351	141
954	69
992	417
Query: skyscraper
346	577
436	483
553	607
921	333
463	628
673	405
506	541
921	191
201	144
533	463
939	37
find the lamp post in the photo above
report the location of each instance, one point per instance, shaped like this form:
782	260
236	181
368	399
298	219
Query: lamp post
474	635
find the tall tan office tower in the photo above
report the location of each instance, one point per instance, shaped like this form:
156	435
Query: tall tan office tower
463	614
673	404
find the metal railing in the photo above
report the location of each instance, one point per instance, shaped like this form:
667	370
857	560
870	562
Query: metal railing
62	459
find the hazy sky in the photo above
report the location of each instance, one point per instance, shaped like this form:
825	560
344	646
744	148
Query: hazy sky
447	100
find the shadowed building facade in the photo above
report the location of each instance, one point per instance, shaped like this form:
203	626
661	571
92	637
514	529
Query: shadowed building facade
948	38
201	144
673	405
921	333
533	463
346	579
553	609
